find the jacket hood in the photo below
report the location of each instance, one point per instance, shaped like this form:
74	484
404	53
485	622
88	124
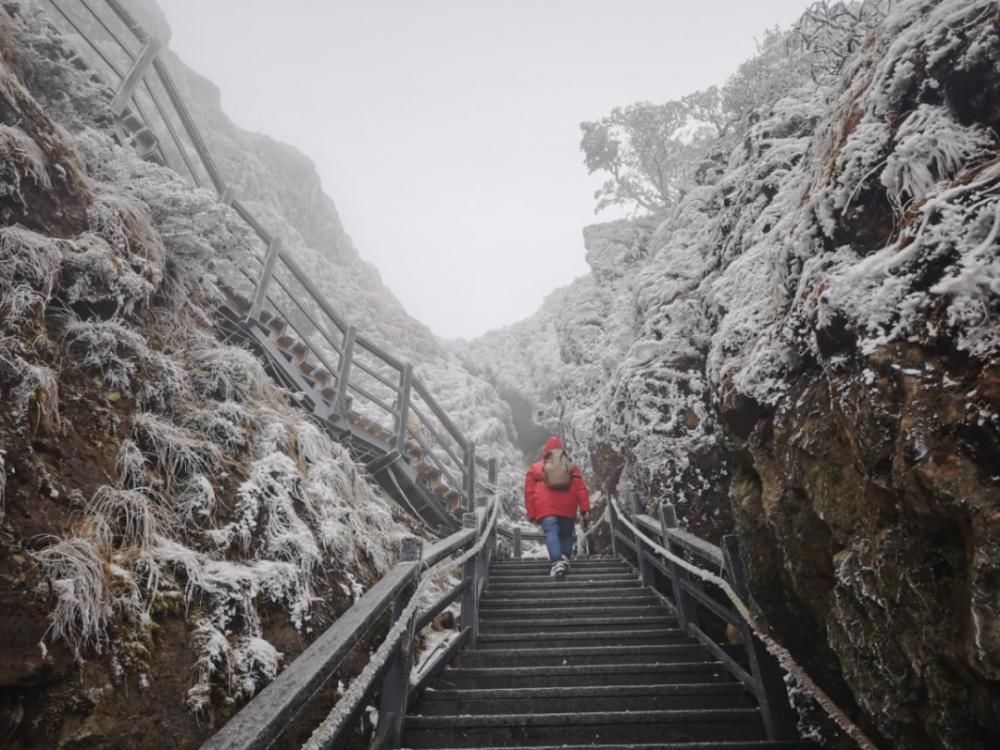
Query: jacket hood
552	444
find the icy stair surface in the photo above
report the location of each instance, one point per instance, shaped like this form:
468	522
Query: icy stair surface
591	661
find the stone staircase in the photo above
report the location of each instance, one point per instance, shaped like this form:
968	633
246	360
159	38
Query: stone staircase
595	660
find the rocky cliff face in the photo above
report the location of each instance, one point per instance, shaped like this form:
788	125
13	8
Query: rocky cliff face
805	349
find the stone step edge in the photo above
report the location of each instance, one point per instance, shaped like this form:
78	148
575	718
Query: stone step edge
586	719
554	670
585	691
713	745
597	620
492	636
624	650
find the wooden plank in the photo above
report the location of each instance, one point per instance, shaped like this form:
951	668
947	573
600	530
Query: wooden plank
378	351
431	672
630	543
697	546
167	81
439	606
723	612
448	546
133	78
722	655
422	391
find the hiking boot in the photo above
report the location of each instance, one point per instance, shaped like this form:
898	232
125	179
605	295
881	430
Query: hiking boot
566	561
559	569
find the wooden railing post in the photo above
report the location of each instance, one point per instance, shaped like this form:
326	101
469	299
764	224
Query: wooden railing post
482	516
613	526
264	281
396	684
470	476
645	569
341	404
686	611
517	542
491	473
405	386
470	598
127	88
779	718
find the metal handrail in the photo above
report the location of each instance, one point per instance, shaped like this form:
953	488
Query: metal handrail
455	484
308	316
157	71
261	721
426	424
692	599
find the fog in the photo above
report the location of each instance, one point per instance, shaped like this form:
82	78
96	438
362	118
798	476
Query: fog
447	131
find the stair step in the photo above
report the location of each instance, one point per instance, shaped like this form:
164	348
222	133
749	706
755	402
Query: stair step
569	675
525	613
606	638
716	745
632	597
564	699
554	585
540	564
615	654
540	623
556	594
575	574
505	730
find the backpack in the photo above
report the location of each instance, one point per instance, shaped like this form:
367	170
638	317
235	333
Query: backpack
557	471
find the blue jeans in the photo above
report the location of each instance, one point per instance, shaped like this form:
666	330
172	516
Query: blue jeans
559	536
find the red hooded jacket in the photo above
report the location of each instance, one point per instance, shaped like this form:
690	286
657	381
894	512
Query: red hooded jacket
540	500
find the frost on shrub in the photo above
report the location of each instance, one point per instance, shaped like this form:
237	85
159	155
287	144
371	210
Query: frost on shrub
21	159
125	225
131	465
83	606
227	373
195	503
34	389
93	274
227	424
948	258
179	453
266	505
109	348
70	93
930	148
127	518
29	265
244	666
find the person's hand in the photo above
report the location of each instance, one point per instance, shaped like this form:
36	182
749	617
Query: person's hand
586	516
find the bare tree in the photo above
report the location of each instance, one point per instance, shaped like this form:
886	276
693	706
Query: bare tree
830	33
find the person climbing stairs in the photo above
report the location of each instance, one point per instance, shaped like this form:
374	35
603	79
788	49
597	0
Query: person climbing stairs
595	660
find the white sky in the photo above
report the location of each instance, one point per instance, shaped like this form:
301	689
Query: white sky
447	131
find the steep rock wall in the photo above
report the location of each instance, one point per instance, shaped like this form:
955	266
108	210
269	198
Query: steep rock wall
810	358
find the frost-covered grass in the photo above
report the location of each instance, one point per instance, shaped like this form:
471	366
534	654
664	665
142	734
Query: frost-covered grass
128	518
227	373
76	573
21	159
179	453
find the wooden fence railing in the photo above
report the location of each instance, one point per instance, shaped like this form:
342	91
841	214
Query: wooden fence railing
703	610
260	723
344	376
